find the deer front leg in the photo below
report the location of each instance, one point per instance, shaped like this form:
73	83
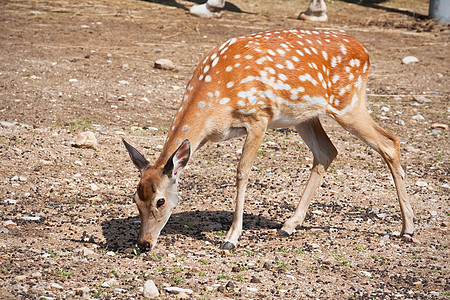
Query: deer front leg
255	135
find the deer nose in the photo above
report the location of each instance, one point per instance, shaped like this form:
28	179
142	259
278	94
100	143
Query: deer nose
144	246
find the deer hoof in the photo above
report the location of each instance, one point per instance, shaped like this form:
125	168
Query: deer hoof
282	232
408	237
227	246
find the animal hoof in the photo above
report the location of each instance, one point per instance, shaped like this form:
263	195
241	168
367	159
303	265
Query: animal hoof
282	232
227	246
408	237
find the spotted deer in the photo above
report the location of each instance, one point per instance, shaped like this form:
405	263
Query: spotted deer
267	80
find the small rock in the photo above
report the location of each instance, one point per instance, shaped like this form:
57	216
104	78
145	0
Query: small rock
385	237
82	290
110	253
267	266
164	64
255	280
119	290
118	132
433	213
421	183
382	215
150	289
182	295
20	277
315	246
412	149
385	109
28	218
436	131
159	147
6	124
23	178
418	118
109	283
317	212
124	82
235	269
177	290
421	99
151	128
94	187
73	80
55	286
88	252
36	274
9	223
10	201
400	122
409	60
252	289
230	285
86	140
439	126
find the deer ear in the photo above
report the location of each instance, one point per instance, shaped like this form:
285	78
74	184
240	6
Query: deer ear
178	160
137	158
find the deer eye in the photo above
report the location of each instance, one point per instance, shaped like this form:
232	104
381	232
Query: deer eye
160	202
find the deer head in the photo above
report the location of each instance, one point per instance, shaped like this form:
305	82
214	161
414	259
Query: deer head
157	193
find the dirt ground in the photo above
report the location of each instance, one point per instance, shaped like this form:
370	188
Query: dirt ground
68	224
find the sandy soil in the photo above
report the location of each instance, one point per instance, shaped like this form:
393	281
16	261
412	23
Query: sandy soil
68	224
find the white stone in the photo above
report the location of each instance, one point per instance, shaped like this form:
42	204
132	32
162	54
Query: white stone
150	290
177	290
55	286
164	64
73	80
421	183
10	201
365	273
159	147
110	253
418	118
28	218
6	124
409	60
86	139
385	109
252	289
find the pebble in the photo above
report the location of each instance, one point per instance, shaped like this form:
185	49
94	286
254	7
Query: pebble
86	139
433	212
109	283
36	274
418	118
6	124
55	286
421	99
159	147
439	126
365	273
123	82
436	131
230	285
382	215
164	64
20	277
152	128
412	149
150	289
28	218
182	295
82	290
94	187
255	280
252	289
177	290
73	80
409	60
385	237
421	183
385	109
111	253
10	201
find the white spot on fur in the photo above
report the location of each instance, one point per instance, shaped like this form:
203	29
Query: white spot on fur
224	100
208	78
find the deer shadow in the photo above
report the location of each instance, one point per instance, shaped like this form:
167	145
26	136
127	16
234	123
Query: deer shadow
123	233
228	6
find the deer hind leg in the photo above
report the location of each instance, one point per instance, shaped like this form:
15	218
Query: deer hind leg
359	122
254	138
324	153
